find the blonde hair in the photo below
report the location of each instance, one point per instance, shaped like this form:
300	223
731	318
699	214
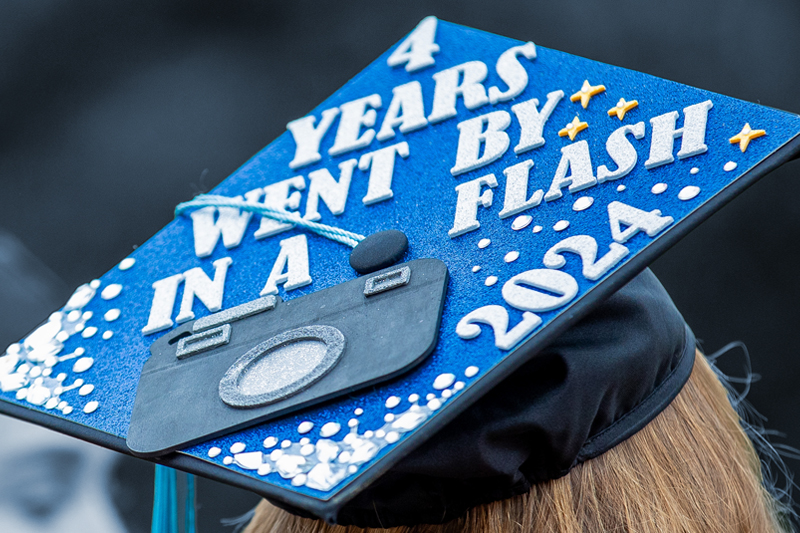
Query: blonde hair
692	469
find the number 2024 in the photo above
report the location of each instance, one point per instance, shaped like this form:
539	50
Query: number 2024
522	291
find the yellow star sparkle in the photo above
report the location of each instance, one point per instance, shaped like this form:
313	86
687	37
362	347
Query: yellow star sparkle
621	108
573	128
744	137
586	93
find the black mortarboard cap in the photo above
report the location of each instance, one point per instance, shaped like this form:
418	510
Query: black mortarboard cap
488	333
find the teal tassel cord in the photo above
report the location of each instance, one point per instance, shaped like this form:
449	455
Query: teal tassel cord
210	200
191	500
165	502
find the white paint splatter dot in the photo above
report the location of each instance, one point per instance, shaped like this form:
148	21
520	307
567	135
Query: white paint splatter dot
248	461
86	389
299	480
471	371
228	460
213	452
561	225
694	171
82	365
392	437
305	427
729	166
392	402
94	284
511	257
330	429
82	296
443	381
688	192
521	222
537	229
238	447
483	243
91	407
67	410
353	422
459	385
112	291
270	442
358	412
307	450
111	315
286	443
264	469
583	203
476	268
414	398
658	188
389	417
127	263
434	404
89	332
491	280
621	188
107	334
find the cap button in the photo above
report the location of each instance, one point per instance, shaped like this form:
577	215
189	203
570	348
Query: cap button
379	250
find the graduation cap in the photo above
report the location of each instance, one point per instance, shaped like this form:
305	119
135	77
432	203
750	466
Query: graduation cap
420	237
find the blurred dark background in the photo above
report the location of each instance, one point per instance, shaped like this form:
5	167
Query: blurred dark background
111	113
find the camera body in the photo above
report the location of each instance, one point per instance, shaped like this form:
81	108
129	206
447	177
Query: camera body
268	357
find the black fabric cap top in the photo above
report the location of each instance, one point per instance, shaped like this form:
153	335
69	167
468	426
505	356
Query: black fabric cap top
596	385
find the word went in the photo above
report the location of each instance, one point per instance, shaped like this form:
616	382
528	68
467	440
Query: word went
230	223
